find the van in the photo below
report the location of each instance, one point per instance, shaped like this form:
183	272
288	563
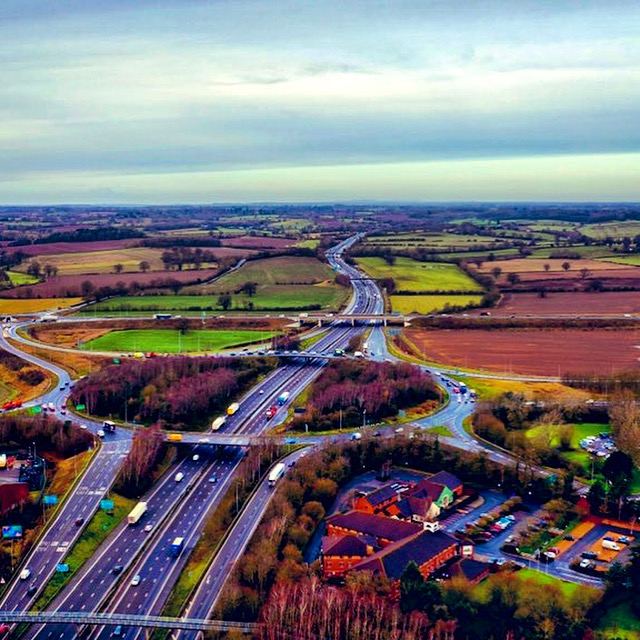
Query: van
24	574
179	476
100	433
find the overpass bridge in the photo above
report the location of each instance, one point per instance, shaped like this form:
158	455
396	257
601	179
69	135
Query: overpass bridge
355	319
114	619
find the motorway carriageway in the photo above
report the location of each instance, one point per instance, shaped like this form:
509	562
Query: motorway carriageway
16	596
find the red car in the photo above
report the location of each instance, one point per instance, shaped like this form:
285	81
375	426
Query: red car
271	411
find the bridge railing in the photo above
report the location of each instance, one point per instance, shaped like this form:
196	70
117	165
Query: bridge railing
113	619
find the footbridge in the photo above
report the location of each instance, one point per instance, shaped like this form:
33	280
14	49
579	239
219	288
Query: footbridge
114	619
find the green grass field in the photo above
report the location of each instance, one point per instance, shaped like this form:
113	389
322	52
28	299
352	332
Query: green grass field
16	278
633	261
620	622
411	275
274	271
431	303
170	340
288	297
616	230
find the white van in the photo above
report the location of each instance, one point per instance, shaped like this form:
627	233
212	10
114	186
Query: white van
179	476
24	574
100	433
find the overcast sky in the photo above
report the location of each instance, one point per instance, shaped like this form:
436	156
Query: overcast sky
247	100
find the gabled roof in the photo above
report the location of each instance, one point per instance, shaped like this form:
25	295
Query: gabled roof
380	495
378	526
469	568
427	489
419	548
447	479
349	545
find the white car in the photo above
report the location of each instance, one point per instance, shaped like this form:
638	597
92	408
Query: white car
100	433
135	581
196	457
148	528
24	574
585	563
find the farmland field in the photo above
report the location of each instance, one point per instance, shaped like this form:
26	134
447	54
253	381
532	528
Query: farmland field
171	341
50	248
274	271
411	275
15	306
529	351
70	286
101	261
261	242
533	268
618	259
617	230
276	297
16	278
431	303
580	303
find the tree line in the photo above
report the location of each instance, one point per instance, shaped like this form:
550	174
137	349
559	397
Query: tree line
364	390
179	390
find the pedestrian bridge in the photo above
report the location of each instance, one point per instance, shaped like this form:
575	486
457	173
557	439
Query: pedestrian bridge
113	619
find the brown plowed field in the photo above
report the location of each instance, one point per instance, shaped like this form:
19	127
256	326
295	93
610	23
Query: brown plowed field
562	304
531	351
62	286
52	248
252	242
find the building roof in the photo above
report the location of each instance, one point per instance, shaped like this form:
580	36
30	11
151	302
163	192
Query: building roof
348	545
447	479
378	526
427	489
419	548
380	495
469	568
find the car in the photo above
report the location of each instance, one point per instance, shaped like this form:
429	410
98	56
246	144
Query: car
569	537
117	569
377	434
148	527
610	538
100	433
399	429
31	591
196	457
261	392
624	540
83	426
118	630
79	522
24	574
135	581
63	411
589	555
585	564
292	463
213	479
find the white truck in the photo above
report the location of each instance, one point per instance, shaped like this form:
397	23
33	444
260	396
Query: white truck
276	473
136	513
218	422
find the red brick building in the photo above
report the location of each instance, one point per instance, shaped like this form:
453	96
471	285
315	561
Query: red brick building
384	531
341	554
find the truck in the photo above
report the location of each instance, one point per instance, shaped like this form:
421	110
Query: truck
176	547
283	397
232	408
218	422
136	513
276	473
174	437
271	411
109	426
611	545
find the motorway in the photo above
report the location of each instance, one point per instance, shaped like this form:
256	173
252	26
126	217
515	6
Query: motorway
176	511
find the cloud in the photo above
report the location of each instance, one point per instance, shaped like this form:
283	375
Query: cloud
174	87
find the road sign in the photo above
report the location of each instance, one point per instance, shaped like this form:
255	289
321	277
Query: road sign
80	407
50	500
62	568
106	505
12	531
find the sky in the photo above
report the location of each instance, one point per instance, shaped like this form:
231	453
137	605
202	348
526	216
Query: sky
114	101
